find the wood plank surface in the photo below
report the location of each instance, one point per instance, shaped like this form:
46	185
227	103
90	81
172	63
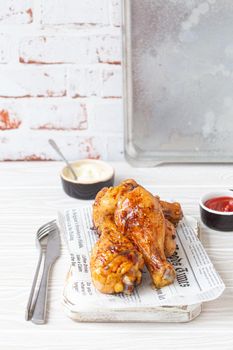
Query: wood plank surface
31	194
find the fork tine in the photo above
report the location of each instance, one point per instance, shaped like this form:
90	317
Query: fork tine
46	226
42	235
46	231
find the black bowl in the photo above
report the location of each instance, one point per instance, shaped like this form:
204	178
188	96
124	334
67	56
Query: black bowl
216	220
87	189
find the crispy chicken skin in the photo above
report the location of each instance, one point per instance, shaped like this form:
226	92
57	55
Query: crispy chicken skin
173	214
139	216
170	239
116	264
106	202
134	226
172	211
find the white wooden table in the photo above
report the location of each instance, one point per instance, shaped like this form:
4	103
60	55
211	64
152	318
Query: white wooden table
31	194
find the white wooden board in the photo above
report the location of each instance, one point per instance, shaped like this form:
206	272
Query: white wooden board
155	314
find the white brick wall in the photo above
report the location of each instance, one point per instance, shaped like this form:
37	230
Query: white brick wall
16	12
79	49
61	77
96	81
32	81
75	12
4	48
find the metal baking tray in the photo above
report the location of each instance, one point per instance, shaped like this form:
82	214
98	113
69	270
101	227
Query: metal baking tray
178	81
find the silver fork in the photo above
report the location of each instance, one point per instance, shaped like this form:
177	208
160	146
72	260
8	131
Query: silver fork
41	242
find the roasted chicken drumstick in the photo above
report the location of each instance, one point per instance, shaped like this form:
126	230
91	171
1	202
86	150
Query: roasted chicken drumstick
142	234
140	217
116	264
106	202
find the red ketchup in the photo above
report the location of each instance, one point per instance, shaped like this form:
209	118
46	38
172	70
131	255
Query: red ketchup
223	204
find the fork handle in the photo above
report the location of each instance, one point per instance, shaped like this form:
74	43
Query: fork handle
39	314
29	308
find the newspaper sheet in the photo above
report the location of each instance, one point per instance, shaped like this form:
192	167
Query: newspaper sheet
196	278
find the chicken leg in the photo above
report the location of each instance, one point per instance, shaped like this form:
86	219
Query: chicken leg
116	264
139	216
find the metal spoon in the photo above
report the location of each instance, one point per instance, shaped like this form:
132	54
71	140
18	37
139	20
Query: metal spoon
57	149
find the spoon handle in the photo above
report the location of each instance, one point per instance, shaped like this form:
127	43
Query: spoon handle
57	149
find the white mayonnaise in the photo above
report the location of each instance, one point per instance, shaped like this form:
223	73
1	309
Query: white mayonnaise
89	172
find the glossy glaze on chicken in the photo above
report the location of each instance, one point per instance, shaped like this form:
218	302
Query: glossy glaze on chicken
133	230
